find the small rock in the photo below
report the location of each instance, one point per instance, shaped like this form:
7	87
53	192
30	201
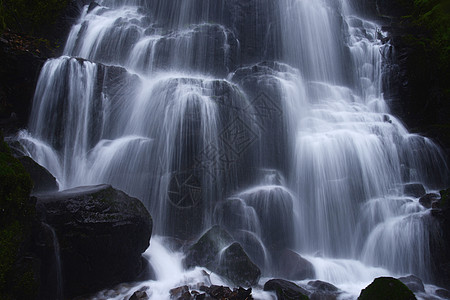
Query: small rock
139	295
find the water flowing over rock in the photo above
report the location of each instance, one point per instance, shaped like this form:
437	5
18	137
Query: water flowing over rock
266	118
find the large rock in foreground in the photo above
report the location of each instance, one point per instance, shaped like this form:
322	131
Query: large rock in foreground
386	288
101	234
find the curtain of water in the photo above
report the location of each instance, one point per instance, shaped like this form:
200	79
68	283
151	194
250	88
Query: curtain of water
181	105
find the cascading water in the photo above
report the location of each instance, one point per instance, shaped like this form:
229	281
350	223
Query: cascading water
265	117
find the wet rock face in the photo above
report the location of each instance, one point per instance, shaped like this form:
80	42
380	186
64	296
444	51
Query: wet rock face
101	233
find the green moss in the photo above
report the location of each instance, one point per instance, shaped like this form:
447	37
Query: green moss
386	288
16	215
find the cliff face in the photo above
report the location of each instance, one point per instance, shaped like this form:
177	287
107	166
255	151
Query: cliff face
417	85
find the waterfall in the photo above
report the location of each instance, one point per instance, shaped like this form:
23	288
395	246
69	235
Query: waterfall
265	117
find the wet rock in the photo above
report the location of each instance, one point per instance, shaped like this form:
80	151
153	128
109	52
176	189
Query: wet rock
414	283
252	246
386	288
414	190
292	266
178	292
139	295
428	199
443	293
92	6
323	290
204	252
101	233
286	290
43	180
223	292
274	207
235	265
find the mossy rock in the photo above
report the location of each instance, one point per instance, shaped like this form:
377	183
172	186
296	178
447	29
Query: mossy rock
17	277
386	288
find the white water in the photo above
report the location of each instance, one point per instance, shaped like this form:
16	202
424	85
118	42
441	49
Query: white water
299	154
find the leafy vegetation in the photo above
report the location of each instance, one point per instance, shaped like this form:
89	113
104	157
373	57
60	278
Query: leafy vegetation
30	16
425	39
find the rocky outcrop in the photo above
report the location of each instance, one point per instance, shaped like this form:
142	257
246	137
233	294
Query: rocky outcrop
94	238
386	288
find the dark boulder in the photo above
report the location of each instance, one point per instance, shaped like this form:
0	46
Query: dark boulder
100	232
235	265
204	252
386	288
216	251
414	283
292	266
414	190
43	180
286	290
